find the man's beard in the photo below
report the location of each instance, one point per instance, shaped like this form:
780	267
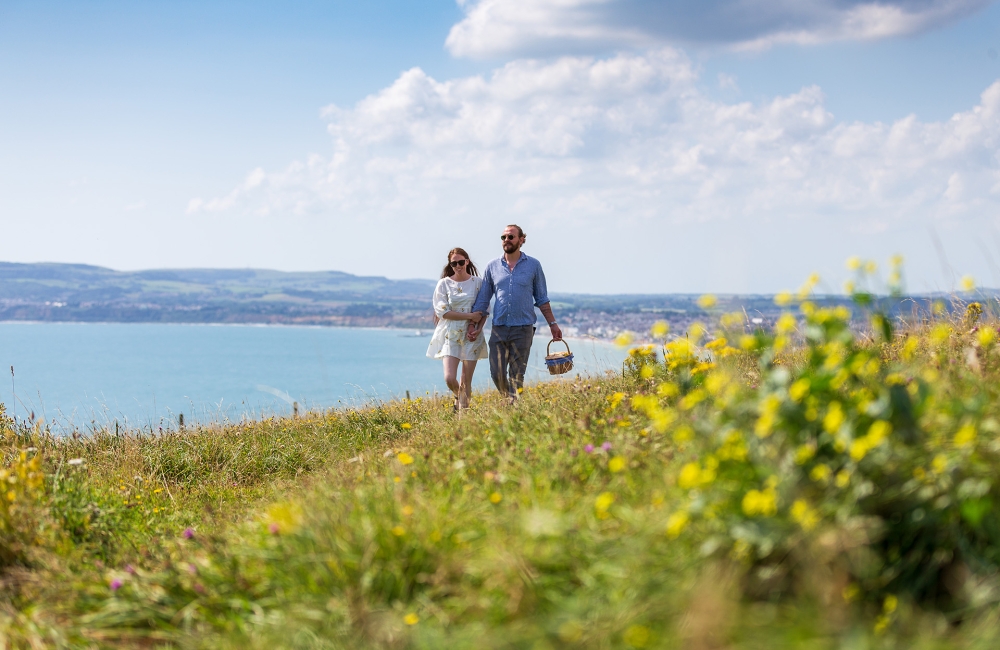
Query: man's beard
510	247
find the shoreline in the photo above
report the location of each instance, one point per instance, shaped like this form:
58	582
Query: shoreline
275	325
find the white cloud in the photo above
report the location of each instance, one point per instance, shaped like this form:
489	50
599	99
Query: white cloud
511	27
627	146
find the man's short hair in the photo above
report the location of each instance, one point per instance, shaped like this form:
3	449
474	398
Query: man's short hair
520	233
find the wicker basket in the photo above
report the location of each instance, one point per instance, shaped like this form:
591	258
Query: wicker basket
560	362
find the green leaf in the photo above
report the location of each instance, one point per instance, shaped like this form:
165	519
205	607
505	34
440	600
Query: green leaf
974	510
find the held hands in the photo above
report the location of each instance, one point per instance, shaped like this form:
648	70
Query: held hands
472	332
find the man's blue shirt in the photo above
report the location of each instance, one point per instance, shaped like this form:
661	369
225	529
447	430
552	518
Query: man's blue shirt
517	292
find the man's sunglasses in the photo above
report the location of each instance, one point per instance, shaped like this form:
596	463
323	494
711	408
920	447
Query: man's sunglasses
457	263
508	237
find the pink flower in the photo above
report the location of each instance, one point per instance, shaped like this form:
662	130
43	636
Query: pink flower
274	528
188	533
589	449
606	446
116	584
129	569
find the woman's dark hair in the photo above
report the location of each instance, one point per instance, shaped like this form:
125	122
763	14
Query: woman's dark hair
469	266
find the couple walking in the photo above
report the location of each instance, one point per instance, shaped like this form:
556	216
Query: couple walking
461	303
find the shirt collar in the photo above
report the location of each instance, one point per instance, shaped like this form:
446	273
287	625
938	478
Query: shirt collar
503	260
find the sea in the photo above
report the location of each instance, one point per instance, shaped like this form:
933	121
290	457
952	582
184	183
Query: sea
82	376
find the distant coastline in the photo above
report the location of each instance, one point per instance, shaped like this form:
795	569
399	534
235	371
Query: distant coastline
50	293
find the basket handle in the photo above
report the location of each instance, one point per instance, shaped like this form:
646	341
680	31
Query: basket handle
548	348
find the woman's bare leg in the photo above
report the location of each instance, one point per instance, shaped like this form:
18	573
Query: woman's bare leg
465	392
451	375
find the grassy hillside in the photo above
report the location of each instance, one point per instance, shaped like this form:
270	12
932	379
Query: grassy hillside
801	487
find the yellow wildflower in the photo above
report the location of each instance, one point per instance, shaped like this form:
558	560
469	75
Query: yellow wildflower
760	502
853	263
799	389
667	389
940	333
834	418
879	431
616	464
843	478
405	458
624	339
804	454
659	329
683	434
968	283
411	619
692	399
783	299
804	515
406	425
398	531
707	301
676	523
496	497
768	416
786	323
965	436
860	448
690	476
637	636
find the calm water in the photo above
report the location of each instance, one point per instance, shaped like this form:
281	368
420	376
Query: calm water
144	375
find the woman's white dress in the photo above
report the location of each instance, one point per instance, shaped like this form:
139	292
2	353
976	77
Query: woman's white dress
449	335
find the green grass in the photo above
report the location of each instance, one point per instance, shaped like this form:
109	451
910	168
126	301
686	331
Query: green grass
405	525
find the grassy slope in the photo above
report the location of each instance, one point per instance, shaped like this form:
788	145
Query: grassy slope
402	525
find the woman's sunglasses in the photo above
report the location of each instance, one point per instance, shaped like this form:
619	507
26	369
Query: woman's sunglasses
508	237
457	263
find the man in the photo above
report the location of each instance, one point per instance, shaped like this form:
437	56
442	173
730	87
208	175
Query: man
518	283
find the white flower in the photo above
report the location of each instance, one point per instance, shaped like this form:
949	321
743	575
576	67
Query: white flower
75	461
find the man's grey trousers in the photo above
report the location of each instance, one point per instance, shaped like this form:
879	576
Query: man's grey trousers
509	350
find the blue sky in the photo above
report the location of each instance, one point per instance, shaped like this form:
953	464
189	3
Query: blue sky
645	146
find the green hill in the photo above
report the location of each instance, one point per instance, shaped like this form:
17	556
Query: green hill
801	487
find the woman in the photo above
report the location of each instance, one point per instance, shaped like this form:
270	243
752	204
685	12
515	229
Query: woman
453	298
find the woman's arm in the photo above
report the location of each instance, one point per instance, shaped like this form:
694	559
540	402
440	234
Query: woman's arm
461	315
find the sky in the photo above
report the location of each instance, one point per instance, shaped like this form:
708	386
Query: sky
645	146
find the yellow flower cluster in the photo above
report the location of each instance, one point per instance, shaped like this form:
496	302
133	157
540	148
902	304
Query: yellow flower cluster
878	432
804	515
693	475
760	503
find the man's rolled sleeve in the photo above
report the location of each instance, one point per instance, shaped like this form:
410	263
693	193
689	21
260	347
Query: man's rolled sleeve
539	288
485	294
